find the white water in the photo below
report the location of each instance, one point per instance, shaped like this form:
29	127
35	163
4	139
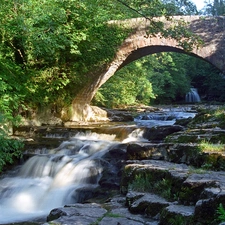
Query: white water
48	181
164	117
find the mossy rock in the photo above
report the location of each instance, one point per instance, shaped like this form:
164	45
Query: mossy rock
177	215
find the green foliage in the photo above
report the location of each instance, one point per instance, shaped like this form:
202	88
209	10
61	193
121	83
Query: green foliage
163	187
12	91
178	220
207	146
50	49
126	88
215	8
47	48
10	149
147	183
141	183
180	7
168	77
158	78
221	213
113	215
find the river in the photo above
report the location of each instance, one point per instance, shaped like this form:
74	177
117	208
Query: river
50	178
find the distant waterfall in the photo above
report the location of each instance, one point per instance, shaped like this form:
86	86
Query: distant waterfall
192	96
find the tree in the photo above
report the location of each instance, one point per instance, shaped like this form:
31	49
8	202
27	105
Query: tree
58	46
182	7
215	8
129	86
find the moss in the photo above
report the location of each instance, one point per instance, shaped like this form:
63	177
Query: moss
179	219
209	115
186	195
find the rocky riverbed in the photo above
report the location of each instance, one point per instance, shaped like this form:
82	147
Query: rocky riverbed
172	178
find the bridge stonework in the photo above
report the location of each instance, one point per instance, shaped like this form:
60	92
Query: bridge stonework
210	29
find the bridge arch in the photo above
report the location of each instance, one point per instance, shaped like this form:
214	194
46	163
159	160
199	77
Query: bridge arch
153	49
210	29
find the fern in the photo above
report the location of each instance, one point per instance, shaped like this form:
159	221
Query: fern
221	213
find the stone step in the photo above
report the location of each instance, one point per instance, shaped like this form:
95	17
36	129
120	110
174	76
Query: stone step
174	214
190	154
146	203
211	135
179	183
111	212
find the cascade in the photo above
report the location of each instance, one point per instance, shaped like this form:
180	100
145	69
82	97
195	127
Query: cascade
192	96
51	180
55	177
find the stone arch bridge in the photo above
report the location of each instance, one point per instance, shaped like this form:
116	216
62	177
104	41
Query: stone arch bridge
210	29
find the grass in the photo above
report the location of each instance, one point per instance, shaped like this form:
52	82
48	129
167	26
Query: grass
141	183
206	146
146	183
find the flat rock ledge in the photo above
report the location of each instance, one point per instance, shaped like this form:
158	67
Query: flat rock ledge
112	212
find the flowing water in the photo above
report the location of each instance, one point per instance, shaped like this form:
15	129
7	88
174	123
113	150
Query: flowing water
50	179
192	96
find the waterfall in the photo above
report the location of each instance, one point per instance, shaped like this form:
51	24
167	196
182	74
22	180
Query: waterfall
48	181
192	96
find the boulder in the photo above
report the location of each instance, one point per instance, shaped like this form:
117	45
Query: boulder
158	134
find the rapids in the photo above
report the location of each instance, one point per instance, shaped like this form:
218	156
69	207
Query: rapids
49	180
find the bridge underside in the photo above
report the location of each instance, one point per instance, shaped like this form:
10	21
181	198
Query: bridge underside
142	52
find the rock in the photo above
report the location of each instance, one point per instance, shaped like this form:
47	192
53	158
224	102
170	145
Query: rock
158	134
193	187
82	194
148	204
183	121
134	217
204	190
153	172
118	221
140	151
177	214
119	115
87	214
55	214
112	162
212	135
84	214
206	209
